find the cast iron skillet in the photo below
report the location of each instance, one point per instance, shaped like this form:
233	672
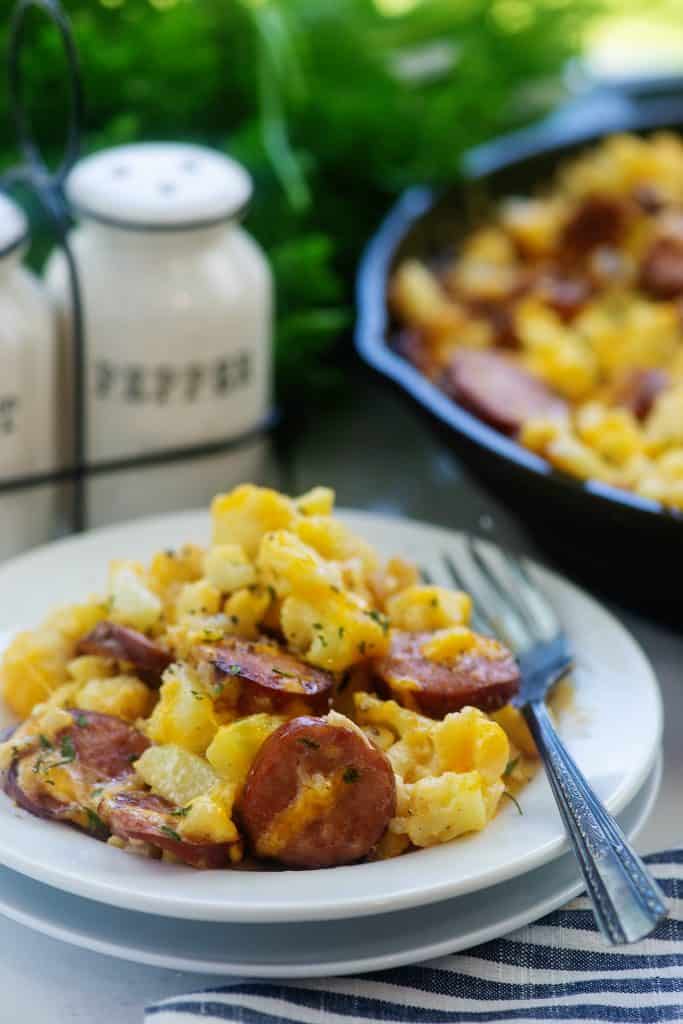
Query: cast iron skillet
625	544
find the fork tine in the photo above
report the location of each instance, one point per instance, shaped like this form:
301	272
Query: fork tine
479	617
480	620
532	599
511	624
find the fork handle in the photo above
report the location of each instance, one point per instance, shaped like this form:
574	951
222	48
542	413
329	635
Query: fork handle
627	902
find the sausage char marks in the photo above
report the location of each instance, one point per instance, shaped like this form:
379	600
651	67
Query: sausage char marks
270	678
55	778
109	640
485	679
317	795
134	815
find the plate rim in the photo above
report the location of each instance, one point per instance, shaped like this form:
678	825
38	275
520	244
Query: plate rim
199	908
532	912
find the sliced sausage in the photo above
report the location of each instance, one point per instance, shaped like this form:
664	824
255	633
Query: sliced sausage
317	795
271	677
501	318
435	689
105	745
410	345
137	815
564	294
648	198
640	389
95	750
599	220
109	640
661	272
499	391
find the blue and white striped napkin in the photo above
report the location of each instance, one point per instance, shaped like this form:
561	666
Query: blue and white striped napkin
555	970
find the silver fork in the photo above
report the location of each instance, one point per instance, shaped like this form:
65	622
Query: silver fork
627	902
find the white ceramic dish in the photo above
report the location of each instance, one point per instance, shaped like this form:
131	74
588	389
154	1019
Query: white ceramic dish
309	950
613	729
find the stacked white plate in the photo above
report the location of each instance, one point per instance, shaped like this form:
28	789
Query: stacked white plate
363	917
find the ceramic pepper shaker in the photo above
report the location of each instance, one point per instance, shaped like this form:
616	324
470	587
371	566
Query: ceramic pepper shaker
177	302
28	401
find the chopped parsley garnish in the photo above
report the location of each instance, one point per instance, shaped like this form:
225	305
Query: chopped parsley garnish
510	766
351	774
132	758
434	602
309	743
67	750
82	721
197	695
170	833
287	675
341	632
45	743
380	619
95	823
180	812
234	670
508	794
361	647
317	625
272	592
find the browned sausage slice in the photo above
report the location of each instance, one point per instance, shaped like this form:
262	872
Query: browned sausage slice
599	220
109	640
137	815
499	391
271	677
95	750
317	795
661	272
640	389
435	689
566	294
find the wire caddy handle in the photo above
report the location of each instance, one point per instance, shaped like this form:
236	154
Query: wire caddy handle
47	186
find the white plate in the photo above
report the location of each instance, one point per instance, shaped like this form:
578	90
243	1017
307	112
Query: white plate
613	730
315	949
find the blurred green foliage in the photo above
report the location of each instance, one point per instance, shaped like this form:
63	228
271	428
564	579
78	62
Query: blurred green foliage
334	105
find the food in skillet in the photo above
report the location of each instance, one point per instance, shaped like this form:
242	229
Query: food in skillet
284	696
560	321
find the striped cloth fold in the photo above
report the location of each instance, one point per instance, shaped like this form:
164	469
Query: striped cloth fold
557	969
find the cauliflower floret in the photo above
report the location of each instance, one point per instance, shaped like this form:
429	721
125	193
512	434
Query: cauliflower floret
426	608
334	631
289	565
439	809
200	598
319	501
184	714
245	610
132	602
227	567
246	514
123	696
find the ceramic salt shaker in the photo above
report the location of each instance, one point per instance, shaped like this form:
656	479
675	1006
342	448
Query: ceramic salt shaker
28	401
177	305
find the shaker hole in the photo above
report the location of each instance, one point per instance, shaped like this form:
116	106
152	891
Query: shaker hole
167	187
